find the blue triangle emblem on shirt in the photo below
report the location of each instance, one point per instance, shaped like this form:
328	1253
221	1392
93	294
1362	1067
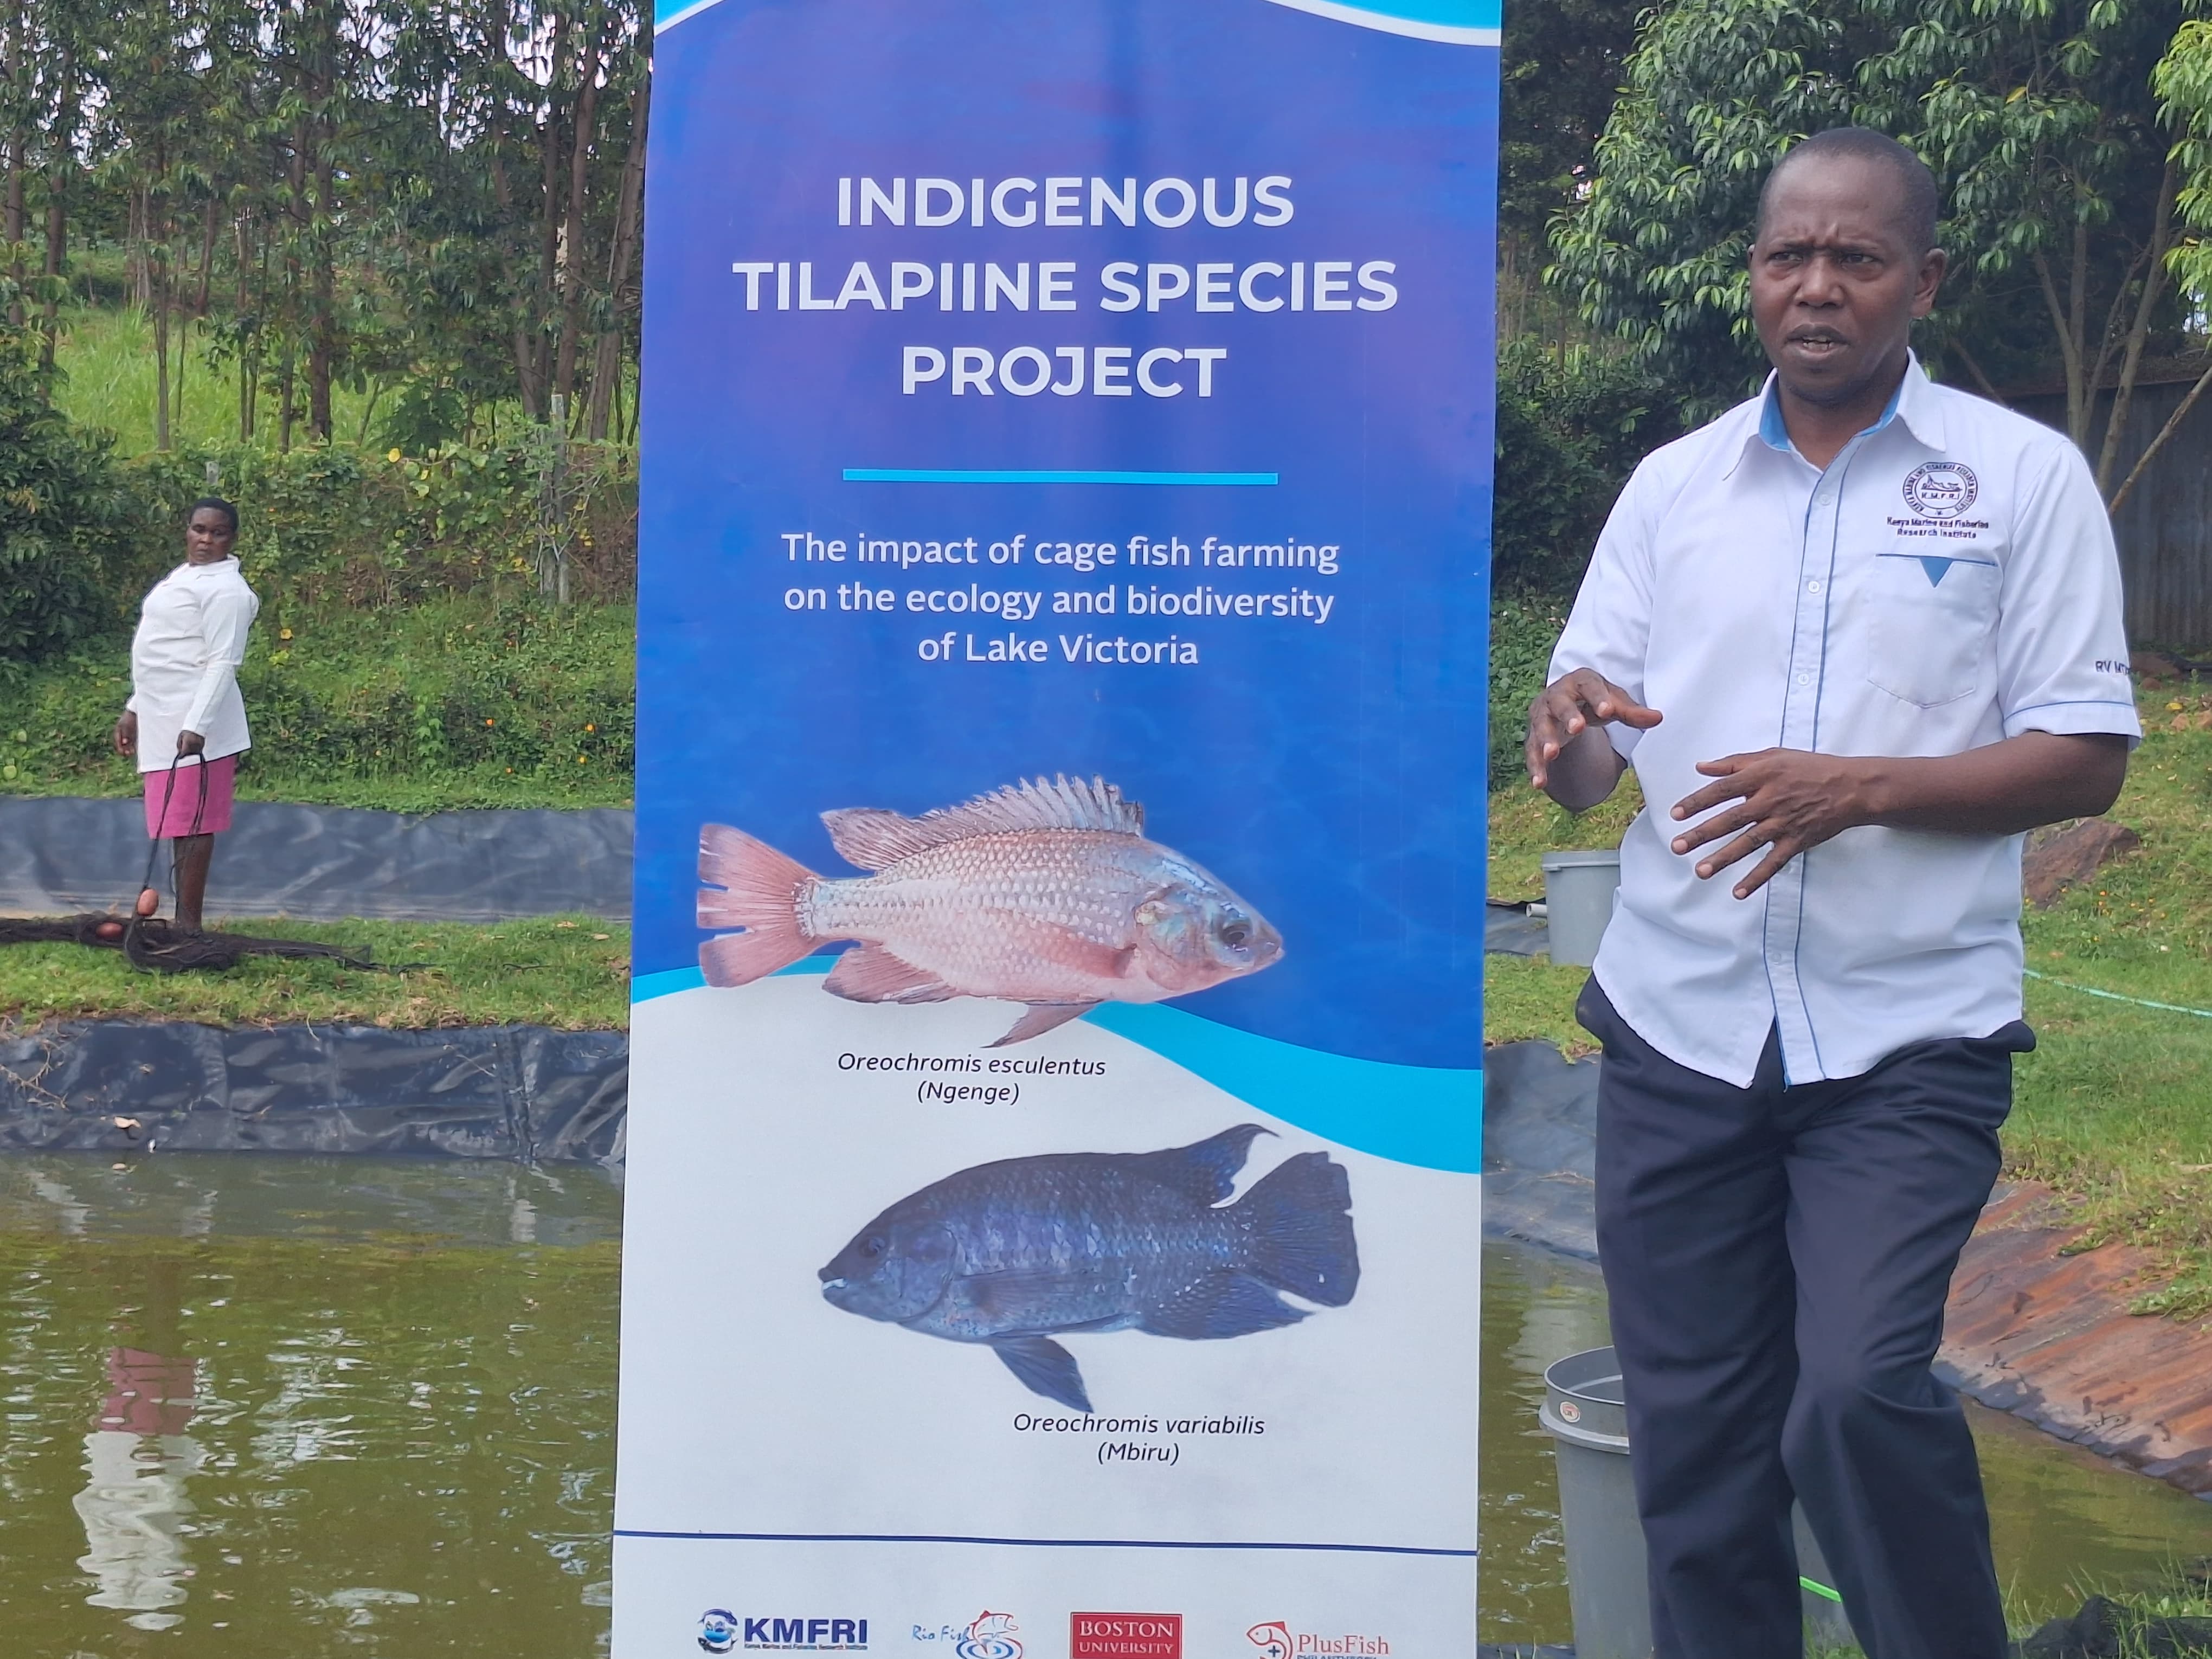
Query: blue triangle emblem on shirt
1936	569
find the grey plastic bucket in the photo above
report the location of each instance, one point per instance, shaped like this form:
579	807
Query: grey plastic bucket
1578	892
1583	1413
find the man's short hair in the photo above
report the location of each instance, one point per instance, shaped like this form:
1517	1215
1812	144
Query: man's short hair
1920	203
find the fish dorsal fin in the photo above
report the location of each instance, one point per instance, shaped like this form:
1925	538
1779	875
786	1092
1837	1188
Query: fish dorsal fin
1205	1171
873	837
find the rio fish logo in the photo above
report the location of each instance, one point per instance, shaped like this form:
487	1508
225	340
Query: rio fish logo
989	1636
1941	490
718	1630
1272	1638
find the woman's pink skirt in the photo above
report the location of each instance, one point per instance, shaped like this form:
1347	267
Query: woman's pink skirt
185	815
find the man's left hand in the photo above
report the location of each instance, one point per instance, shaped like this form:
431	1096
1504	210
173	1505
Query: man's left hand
1789	800
190	743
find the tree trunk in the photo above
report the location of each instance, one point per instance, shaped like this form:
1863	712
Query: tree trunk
207	259
549	243
19	143
2154	282
571	228
2172	425
162	361
606	361
322	347
57	171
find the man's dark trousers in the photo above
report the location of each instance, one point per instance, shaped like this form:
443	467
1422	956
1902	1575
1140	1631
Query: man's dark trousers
1777	1261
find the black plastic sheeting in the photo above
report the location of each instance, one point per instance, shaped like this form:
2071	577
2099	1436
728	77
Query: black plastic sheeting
519	1091
1540	1147
534	1095
61	854
1509	930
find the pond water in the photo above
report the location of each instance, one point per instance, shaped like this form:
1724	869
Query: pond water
261	1405
2062	1520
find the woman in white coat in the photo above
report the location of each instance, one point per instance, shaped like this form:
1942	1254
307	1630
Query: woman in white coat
185	721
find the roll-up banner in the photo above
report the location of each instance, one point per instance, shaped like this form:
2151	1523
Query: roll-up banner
1056	1107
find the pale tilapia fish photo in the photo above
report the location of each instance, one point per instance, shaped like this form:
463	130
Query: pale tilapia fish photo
1045	893
1013	1253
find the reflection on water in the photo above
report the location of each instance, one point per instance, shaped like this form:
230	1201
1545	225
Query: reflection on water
343	1406
2062	1520
304	1405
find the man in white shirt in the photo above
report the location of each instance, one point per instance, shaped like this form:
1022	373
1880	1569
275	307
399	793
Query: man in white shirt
1855	637
185	720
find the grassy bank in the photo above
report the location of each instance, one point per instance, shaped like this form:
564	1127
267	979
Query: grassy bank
572	972
478	700
106	353
2114	1109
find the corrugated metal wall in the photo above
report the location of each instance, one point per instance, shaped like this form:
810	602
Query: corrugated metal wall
2165	528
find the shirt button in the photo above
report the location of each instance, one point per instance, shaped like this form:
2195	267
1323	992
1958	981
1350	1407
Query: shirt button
1804	679
1813	587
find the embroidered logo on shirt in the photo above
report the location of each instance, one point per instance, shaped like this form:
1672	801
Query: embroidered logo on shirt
1941	490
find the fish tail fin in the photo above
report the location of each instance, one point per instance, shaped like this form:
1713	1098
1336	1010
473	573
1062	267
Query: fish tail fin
1302	1239
757	889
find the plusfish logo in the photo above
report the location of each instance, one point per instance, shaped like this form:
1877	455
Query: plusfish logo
812	1635
718	1630
1275	1639
989	1636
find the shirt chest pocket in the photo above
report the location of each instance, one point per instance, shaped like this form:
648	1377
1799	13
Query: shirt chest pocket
1928	622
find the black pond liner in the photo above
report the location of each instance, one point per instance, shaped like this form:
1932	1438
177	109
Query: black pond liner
62	854
523	1092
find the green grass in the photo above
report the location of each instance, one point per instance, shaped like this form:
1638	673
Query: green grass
570	972
107	355
472	700
2114	1109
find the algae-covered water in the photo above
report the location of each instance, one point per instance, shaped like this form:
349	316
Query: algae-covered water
300	1406
304	1407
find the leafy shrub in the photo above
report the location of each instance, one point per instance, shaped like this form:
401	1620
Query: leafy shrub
336	524
467	700
63	517
1571	429
1523	628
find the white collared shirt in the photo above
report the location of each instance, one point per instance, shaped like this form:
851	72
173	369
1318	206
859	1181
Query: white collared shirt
1949	581
185	658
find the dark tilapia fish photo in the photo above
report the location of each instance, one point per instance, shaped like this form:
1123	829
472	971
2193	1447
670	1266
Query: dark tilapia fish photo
1014	1253
1045	893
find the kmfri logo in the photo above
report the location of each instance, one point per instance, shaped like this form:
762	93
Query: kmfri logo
1941	490
720	1631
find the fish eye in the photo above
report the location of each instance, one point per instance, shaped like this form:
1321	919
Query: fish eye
874	1244
1236	932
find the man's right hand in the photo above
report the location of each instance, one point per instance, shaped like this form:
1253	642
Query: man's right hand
1571	709
126	732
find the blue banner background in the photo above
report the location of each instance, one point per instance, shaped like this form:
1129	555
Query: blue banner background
1331	775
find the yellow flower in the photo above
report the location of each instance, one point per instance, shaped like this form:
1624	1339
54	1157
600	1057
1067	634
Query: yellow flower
394	455
489	722
283	633
2173	709
579	760
588	726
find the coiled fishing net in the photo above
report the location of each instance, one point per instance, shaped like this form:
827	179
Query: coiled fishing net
156	945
